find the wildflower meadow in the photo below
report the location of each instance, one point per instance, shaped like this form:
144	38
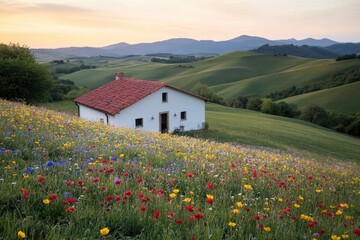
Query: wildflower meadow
65	178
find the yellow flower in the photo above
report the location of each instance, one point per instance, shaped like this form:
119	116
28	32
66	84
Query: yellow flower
46	201
301	198
21	234
239	204
26	176
173	195
344	205
176	191
296	205
345	236
122	155
349	217
232	224
267	229
338	212
280	199
334	237
266	209
248	187
187	200
191	193
318	190
104	231
235	211
209	196
324	211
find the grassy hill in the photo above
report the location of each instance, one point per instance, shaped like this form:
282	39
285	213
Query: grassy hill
343	99
230	75
65	178
252	128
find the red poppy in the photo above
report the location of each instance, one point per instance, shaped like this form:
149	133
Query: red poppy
179	221
70	209
109	197
139	180
256	217
209	201
52	197
96	180
110	170
209	186
80	182
70	182
312	224
199	215
142	208
25	193
189	175
156	214
41	179
356	231
189	208
128	193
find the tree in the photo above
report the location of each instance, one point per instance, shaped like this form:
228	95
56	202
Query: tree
270	107
204	91
316	114
21	77
254	103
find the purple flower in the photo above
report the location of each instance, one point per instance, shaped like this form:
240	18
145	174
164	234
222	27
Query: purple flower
117	181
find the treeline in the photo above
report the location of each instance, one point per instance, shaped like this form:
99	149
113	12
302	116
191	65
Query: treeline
347	57
264	105
344	123
179	59
63	89
341	78
71	69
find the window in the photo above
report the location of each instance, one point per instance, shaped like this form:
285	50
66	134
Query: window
183	115
164	97
138	122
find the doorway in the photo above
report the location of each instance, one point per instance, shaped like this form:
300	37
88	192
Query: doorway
164	122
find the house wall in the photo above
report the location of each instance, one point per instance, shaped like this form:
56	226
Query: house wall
91	114
152	105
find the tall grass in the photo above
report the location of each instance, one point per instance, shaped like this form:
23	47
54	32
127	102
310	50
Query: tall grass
64	178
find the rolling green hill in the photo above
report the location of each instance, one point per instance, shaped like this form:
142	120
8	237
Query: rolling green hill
238	73
342	99
253	128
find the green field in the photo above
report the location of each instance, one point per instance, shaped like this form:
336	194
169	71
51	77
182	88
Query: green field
251	128
246	127
343	99
229	75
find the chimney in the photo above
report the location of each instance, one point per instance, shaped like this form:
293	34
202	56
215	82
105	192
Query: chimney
119	75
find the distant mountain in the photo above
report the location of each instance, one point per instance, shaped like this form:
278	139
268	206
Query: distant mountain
309	41
179	46
345	48
299	51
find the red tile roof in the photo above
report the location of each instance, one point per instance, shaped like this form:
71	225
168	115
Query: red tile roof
121	93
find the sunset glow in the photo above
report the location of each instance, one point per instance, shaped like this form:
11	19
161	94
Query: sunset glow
50	23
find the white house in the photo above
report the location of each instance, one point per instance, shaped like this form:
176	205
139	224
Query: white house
147	105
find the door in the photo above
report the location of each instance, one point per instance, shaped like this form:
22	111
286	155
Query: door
164	122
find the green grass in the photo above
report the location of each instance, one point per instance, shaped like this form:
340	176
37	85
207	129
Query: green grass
343	99
61	106
252	128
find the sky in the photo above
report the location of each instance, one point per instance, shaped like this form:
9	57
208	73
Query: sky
97	23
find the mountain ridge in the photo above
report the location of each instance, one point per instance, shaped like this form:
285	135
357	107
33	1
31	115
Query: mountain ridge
180	46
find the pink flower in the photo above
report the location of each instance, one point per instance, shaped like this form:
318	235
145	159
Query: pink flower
96	180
